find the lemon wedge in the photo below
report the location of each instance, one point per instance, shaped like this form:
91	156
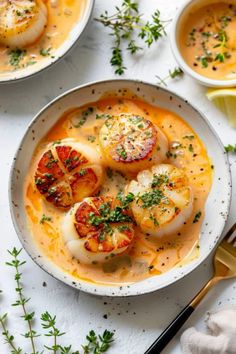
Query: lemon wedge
224	100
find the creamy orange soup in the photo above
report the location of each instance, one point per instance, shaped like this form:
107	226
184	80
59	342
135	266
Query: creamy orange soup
61	17
147	255
207	40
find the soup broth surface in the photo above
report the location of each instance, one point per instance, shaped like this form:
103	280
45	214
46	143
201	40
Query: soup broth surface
148	255
207	40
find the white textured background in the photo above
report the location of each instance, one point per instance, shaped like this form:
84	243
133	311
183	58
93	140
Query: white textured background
137	321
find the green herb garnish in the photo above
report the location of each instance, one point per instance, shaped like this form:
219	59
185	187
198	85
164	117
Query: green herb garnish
96	344
109	172
197	217
173	74
91	138
190	148
151	198
158	180
230	148
84	116
121	152
45	52
82	172
189	137
45	218
154	219
126	25
15	56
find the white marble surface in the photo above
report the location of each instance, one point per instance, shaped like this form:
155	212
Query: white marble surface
137	321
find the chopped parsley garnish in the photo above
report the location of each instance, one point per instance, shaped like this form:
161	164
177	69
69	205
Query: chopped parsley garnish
190	148
56	142
125	200
122	228
48	175
108	215
103	116
121	152
230	148
204	62
189	137
140	126
91	138
148	133
135	119
197	217
158	180
68	161
154	219
45	52
16	55
151	198
82	172
30	62
171	154
109	172
84	116
45	218
51	162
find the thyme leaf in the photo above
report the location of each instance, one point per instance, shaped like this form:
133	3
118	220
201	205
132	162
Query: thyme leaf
127	25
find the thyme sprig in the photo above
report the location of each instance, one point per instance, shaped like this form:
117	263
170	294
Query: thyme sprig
230	148
173	74
126	25
96	344
49	323
9	338
22	300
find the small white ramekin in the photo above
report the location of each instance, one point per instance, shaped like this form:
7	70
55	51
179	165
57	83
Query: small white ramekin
193	5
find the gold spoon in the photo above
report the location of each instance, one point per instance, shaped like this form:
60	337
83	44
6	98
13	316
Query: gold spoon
225	268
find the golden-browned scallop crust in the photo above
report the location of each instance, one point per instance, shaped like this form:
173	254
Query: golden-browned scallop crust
132	143
67	172
97	229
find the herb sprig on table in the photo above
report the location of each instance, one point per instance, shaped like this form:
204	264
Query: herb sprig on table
96	344
230	148
173	74
126	26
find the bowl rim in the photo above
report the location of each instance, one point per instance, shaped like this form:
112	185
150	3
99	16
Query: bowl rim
179	58
84	22
96	288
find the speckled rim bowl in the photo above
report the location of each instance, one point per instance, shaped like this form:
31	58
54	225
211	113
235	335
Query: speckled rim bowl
217	205
73	36
183	11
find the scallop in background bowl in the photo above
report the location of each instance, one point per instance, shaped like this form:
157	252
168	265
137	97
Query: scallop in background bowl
73	36
217	206
182	14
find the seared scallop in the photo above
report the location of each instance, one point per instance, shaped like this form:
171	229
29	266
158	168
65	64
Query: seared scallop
132	143
96	229
67	172
21	21
163	199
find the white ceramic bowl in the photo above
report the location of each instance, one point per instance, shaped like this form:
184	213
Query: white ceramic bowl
217	205
194	5
72	38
